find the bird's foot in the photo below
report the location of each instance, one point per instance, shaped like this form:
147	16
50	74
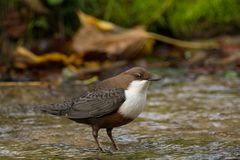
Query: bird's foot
105	150
116	148
101	149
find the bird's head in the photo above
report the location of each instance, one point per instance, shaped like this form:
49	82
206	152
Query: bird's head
139	78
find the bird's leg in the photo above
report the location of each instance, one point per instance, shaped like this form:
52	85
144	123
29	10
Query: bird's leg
95	135
109	133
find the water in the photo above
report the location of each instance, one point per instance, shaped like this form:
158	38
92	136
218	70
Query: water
189	120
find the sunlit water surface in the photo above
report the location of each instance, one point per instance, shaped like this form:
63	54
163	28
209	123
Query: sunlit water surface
190	120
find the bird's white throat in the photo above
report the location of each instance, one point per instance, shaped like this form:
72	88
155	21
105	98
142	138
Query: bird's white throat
136	95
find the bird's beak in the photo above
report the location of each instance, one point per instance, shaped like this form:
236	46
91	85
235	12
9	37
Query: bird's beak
154	77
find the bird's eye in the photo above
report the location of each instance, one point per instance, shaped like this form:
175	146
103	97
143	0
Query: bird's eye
138	75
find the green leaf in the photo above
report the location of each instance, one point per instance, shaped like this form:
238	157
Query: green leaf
41	22
231	74
54	2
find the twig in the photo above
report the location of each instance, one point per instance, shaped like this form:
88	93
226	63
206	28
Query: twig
21	84
185	44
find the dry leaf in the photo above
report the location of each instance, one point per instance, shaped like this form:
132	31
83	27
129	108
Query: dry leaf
30	58
100	24
114	42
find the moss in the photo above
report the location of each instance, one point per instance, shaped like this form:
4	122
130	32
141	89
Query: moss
187	18
193	17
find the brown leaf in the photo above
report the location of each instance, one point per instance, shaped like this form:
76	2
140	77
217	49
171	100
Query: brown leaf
102	37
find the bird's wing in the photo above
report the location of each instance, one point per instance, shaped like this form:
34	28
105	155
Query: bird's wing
92	104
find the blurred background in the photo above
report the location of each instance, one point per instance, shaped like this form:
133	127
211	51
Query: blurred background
49	40
50	50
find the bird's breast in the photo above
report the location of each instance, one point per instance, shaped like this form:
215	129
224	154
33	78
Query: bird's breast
133	105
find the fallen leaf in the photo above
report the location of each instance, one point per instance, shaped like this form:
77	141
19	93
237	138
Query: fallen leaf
30	58
96	36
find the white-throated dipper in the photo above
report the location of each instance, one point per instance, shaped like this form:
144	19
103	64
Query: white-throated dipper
110	103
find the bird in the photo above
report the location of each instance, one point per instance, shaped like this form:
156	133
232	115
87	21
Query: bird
110	103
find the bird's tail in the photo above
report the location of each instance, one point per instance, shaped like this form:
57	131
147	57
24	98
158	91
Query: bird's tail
59	109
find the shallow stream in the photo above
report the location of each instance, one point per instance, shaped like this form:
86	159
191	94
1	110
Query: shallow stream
197	119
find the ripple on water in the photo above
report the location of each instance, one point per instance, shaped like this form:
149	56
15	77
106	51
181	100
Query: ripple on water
193	120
